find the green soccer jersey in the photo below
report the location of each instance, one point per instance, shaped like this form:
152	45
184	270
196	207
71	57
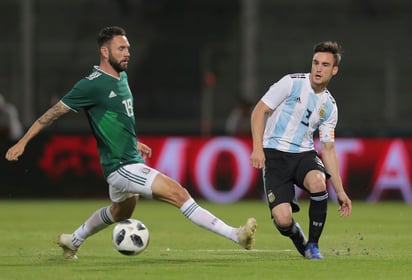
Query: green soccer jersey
108	104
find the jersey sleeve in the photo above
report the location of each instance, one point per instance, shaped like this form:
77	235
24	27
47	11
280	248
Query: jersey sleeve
79	96
327	128
278	92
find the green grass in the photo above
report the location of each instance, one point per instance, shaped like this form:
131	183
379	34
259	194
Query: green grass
374	243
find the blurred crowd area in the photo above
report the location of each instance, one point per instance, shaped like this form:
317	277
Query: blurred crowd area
190	59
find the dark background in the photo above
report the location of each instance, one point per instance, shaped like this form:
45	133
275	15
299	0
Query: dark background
245	45
175	42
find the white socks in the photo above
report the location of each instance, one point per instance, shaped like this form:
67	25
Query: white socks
207	220
99	220
102	218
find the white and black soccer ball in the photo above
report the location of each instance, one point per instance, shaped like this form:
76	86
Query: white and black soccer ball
130	237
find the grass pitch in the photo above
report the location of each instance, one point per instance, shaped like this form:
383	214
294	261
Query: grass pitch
374	243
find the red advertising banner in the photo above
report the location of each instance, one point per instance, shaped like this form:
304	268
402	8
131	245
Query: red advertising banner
217	168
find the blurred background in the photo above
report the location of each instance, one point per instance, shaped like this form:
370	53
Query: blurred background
198	67
194	61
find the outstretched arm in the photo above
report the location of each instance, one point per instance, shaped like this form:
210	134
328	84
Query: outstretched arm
45	120
330	160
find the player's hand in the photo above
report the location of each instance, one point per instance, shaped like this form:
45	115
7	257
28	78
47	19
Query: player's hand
257	159
15	152
145	151
345	204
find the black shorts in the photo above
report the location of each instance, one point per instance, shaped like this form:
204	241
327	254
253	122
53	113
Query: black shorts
284	170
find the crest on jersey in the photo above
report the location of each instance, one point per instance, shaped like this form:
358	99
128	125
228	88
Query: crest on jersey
322	111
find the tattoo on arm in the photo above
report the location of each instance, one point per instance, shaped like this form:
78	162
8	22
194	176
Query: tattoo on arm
53	114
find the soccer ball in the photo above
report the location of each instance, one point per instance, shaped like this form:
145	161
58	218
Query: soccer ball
130	237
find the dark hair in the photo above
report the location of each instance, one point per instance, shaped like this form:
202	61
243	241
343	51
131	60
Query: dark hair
107	33
330	47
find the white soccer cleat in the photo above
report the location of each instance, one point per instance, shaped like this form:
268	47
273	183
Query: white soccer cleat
246	234
65	242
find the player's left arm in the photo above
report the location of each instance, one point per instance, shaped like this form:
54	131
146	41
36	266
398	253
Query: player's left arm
330	160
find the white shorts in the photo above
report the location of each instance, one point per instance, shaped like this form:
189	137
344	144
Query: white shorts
130	180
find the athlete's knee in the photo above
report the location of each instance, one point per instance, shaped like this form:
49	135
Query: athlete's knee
283	222
282	215
179	194
169	190
315	181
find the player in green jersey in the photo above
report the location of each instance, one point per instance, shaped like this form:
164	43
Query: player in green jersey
108	103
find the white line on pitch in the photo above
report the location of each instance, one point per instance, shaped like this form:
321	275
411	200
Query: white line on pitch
225	250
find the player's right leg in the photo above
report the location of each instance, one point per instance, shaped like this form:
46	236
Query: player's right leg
279	181
295	233
287	226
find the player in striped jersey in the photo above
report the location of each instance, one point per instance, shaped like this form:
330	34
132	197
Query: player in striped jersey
283	123
106	98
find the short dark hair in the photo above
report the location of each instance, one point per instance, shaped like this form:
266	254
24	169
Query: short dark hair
330	47
107	34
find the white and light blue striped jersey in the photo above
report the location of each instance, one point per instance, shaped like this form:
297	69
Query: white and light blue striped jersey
298	113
